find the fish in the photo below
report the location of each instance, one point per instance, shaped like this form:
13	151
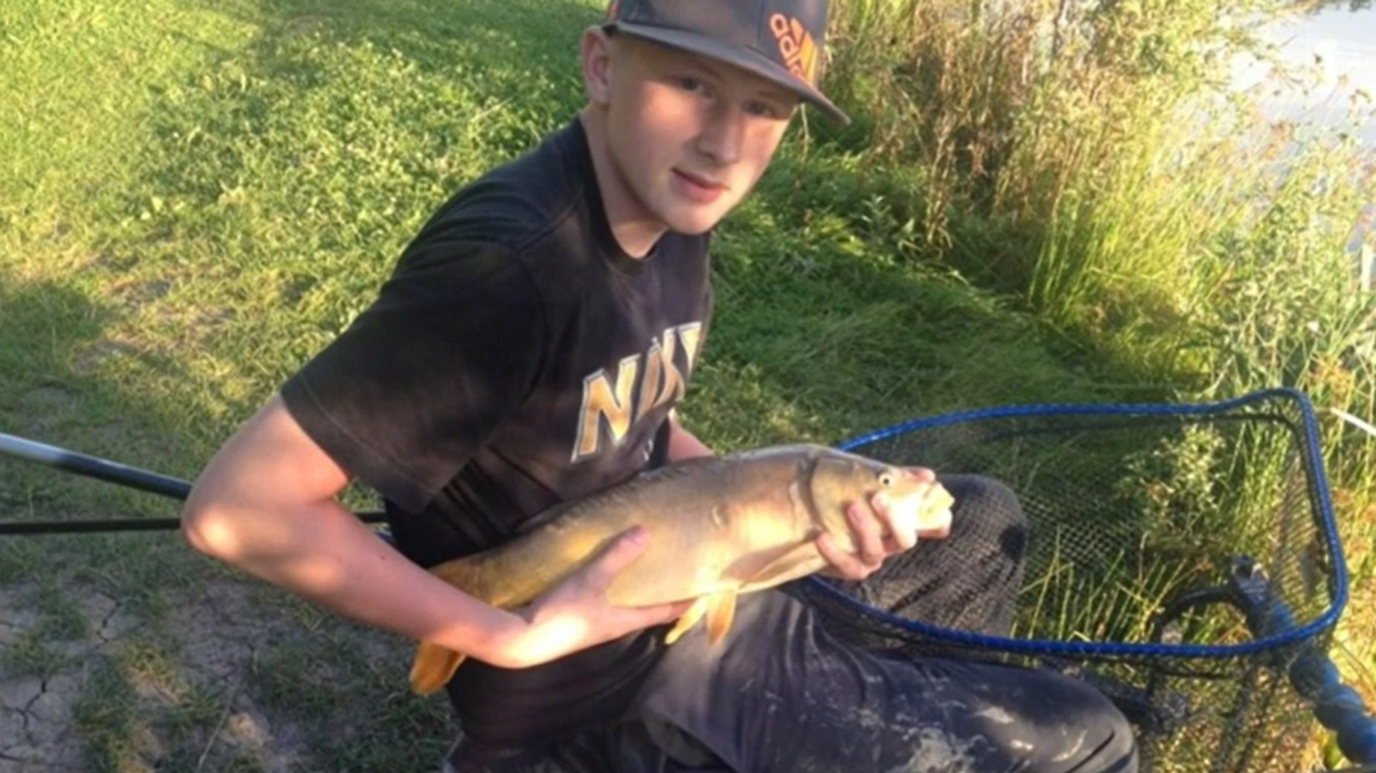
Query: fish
718	527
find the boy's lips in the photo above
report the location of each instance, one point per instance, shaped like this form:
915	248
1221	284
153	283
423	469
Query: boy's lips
699	189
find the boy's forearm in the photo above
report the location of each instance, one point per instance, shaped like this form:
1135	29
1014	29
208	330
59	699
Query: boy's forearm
324	554
266	504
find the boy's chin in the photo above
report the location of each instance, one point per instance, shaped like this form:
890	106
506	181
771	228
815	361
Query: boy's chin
693	224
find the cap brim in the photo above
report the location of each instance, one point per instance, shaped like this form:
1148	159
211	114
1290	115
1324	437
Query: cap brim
750	61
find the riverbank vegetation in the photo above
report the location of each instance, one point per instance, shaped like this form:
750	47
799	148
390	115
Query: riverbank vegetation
1095	164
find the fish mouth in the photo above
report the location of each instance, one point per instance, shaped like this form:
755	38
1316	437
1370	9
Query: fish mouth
937	532
924	506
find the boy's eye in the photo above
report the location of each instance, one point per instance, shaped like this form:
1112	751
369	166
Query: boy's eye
763	110
771	109
689	83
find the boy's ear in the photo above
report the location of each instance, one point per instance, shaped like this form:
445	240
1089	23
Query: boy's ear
597	65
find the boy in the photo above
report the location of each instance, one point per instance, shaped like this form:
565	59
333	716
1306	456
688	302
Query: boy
529	348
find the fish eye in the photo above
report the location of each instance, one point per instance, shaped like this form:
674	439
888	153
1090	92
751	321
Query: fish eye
886	479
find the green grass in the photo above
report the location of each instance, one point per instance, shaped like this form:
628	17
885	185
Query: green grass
195	197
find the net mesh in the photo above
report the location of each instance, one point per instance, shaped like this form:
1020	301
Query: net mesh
1182	558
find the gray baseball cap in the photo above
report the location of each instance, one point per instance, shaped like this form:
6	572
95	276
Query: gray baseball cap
779	40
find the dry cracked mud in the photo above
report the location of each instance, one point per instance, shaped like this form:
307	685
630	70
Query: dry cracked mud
218	674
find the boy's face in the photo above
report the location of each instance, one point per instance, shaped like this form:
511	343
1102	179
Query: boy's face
687	136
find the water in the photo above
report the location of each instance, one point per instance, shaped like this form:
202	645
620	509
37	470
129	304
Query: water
1336	46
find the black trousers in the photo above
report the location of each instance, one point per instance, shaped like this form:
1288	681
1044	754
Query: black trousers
785	693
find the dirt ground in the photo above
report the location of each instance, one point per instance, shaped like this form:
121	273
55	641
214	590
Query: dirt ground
217	674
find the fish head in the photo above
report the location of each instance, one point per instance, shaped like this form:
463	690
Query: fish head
839	478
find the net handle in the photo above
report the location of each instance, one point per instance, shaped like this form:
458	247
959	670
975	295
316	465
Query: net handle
1336	706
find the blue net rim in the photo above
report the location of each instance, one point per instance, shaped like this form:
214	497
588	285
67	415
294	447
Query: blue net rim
1313	461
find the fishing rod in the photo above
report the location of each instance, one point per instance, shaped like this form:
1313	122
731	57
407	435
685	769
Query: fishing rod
110	472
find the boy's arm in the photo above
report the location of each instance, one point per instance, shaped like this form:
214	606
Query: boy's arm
266	504
682	443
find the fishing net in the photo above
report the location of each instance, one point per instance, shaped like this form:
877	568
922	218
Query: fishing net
1182	558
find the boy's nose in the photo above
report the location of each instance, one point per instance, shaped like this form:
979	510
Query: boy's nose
722	137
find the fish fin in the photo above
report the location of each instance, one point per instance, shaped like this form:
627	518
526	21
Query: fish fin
434	666
721	609
688	619
798	562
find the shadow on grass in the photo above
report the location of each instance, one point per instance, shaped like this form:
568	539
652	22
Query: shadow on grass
55	357
60	592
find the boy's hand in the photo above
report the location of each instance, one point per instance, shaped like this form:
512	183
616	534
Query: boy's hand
576	614
880	530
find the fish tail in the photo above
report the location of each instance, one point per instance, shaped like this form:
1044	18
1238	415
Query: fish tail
504	578
433	667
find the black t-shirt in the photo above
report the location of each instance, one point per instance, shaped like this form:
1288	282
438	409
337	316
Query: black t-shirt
517	357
